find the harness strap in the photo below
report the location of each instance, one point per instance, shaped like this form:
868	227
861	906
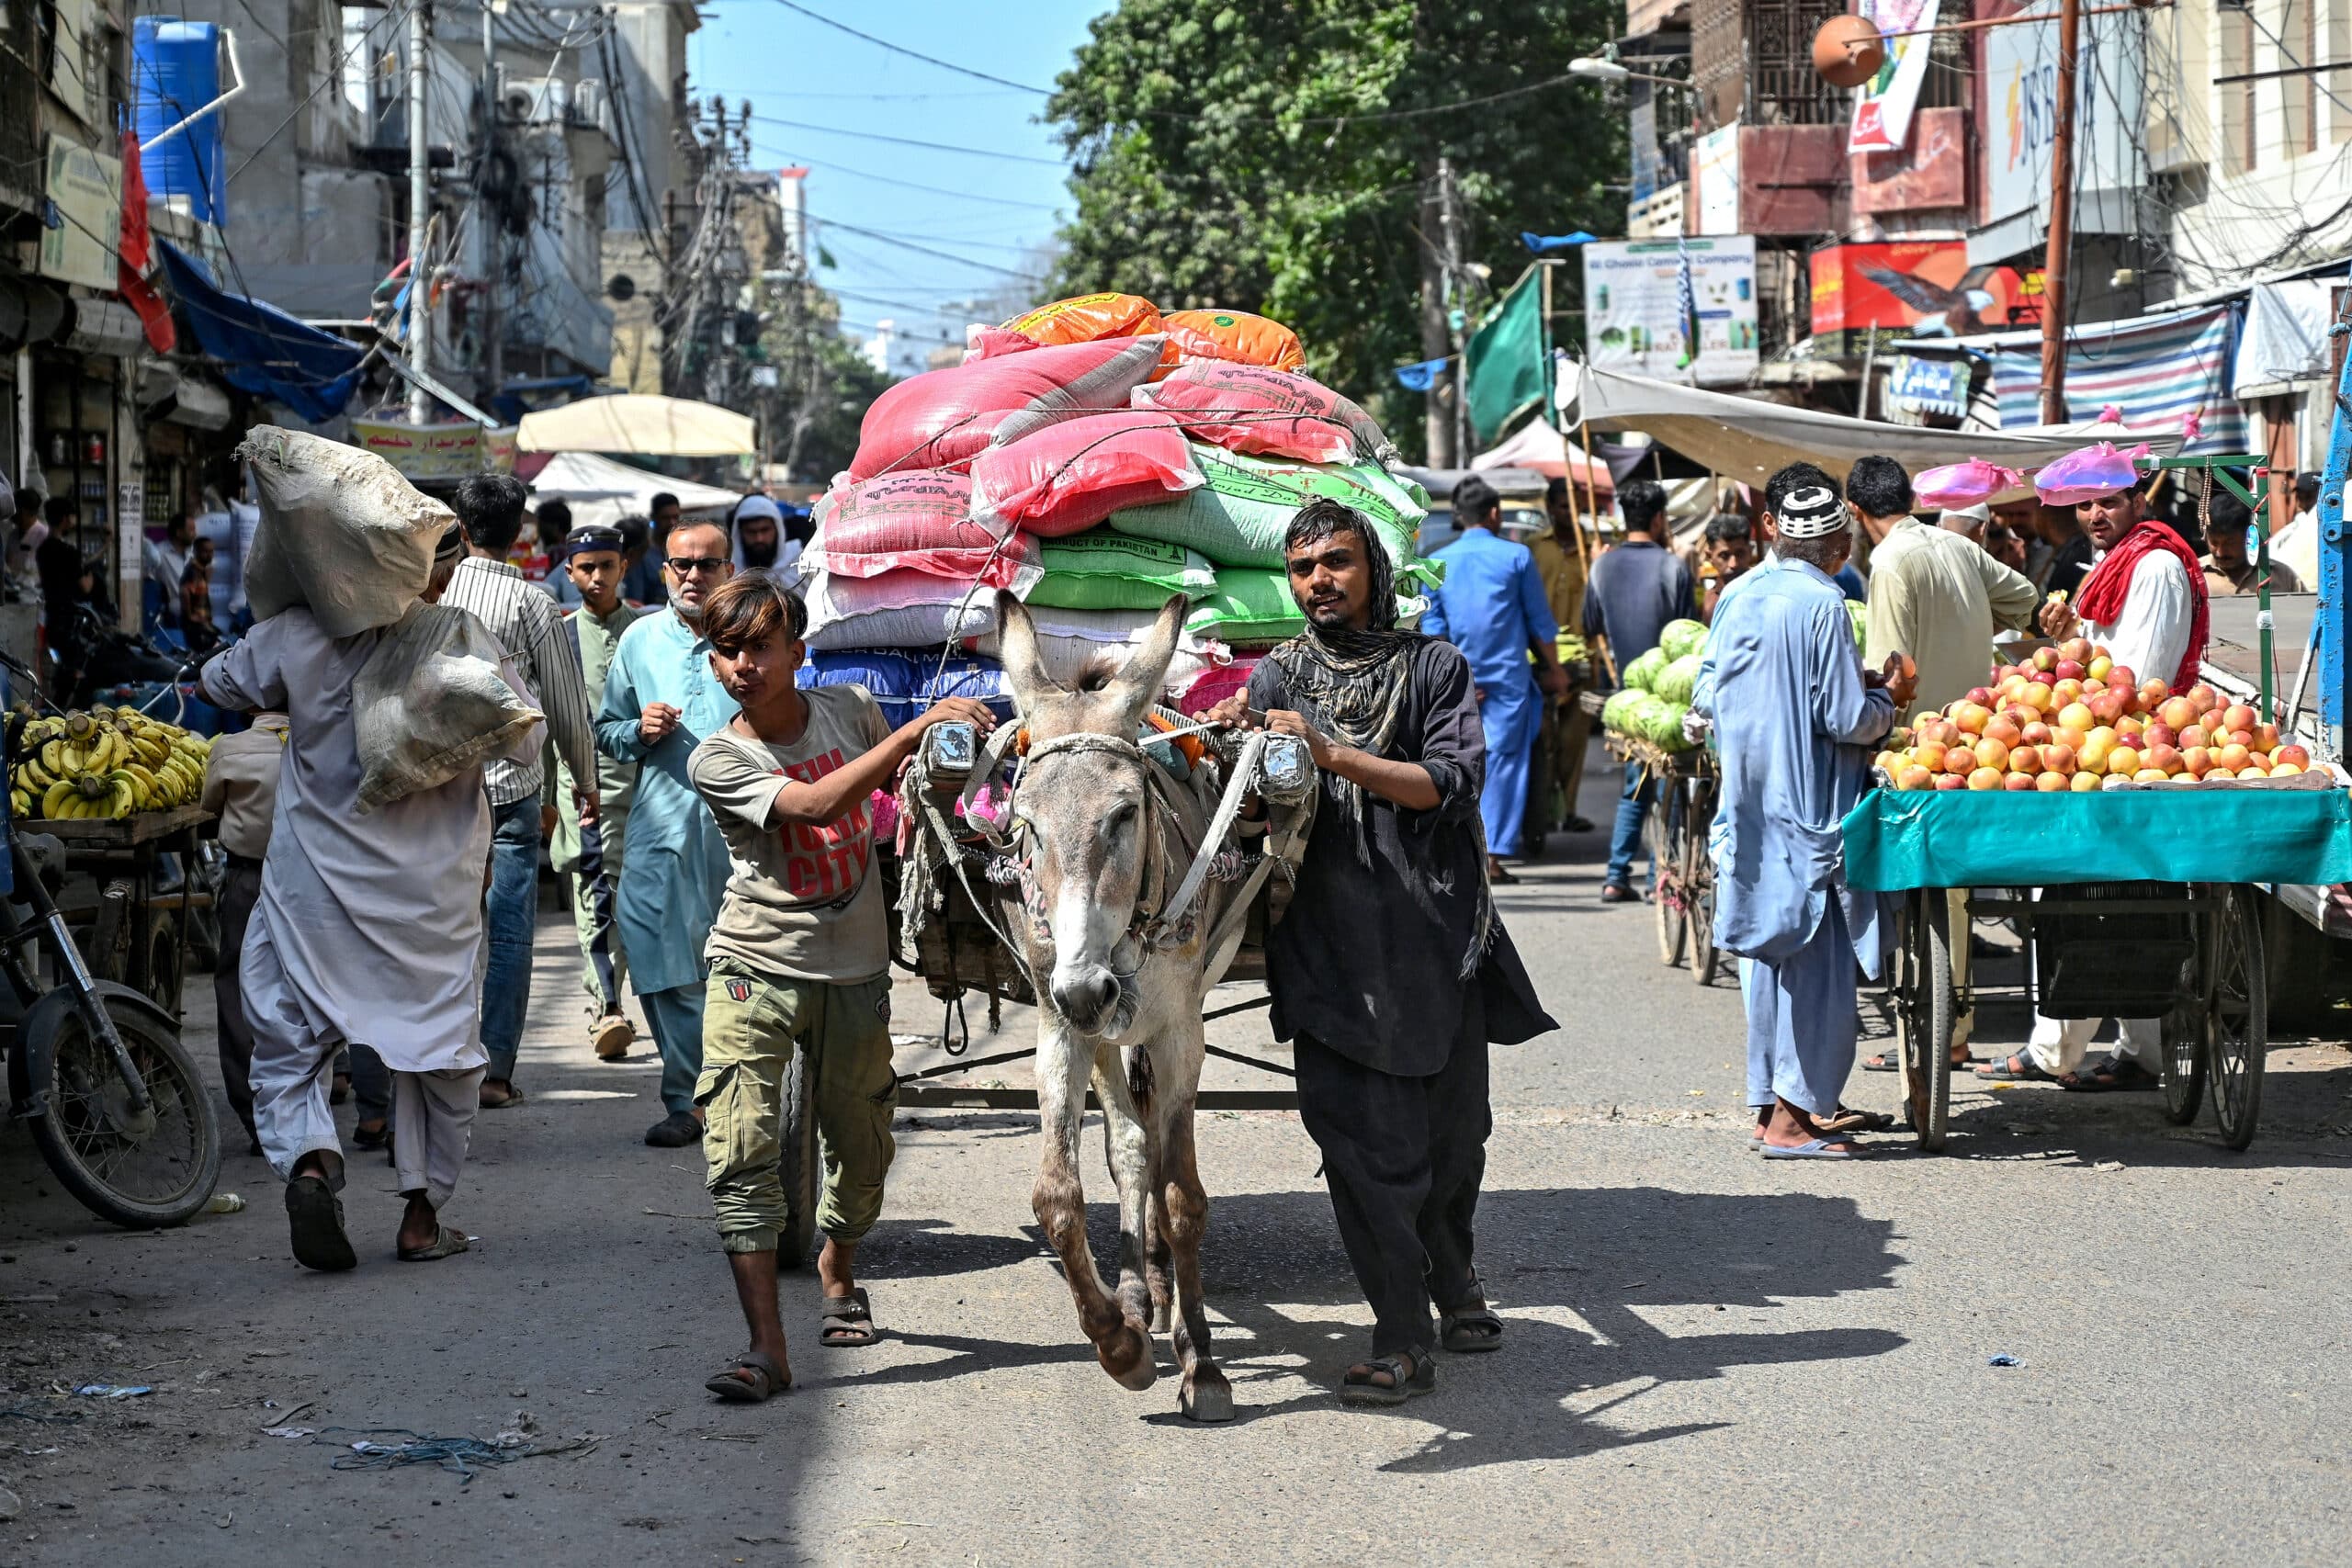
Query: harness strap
1243	775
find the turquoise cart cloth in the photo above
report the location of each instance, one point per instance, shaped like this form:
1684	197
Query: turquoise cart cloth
1907	839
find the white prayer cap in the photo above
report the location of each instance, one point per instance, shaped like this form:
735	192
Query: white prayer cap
1976	518
1810	513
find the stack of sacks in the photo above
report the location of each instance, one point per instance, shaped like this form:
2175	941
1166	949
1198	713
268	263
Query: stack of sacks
906	682
1094	457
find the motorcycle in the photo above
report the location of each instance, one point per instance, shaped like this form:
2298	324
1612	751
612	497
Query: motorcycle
96	1071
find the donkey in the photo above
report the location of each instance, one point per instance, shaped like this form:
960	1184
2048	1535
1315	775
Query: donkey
1116	1008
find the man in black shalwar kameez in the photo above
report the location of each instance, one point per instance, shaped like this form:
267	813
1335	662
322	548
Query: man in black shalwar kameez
1390	971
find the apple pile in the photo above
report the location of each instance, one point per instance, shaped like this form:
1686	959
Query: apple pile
2071	718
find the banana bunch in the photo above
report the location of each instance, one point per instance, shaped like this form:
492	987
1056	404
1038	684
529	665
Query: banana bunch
103	763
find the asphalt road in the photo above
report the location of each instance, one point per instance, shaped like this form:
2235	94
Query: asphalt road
1709	1357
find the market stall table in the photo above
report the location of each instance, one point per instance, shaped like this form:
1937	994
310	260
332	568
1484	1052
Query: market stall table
2155	911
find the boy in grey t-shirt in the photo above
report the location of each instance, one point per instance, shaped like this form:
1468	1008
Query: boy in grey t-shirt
799	960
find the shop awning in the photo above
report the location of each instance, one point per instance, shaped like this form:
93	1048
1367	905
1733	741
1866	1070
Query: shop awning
258	348
1538	446
1747	439
647	426
603	491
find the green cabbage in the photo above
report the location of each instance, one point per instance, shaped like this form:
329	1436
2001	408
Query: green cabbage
1674	682
1643	670
1860	614
1682	639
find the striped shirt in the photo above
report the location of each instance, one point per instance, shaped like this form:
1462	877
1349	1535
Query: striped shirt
527	624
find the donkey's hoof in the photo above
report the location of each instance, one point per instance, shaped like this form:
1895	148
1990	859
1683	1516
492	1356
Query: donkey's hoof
1126	1354
1206	1396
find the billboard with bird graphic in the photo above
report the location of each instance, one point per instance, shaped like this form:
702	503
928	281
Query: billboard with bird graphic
1920	287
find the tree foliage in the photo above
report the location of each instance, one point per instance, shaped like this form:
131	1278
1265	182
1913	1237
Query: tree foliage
1255	156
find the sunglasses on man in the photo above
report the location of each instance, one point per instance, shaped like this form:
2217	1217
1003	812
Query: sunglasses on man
686	566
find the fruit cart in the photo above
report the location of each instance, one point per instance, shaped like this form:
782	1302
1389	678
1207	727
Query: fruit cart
1684	895
2137	900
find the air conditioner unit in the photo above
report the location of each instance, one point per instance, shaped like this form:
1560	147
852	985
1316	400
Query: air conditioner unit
591	105
534	100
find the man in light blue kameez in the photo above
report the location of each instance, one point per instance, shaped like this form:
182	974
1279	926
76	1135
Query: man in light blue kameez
1794	717
661	700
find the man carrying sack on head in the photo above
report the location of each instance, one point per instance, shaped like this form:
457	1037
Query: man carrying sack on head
369	921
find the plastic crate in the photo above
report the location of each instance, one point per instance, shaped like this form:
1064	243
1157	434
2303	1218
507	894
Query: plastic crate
2131	964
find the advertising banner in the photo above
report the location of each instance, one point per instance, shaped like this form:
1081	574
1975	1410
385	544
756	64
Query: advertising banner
1925	287
1883	106
1634	313
2021	99
86	188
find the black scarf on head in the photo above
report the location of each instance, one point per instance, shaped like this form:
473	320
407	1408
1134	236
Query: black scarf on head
1359	679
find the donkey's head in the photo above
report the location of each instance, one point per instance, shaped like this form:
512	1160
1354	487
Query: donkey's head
1089	810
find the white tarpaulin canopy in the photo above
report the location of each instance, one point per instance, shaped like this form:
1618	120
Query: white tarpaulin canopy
1538	446
633	422
602	492
1748	439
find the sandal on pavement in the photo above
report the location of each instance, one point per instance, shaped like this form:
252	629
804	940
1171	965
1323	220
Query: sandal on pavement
2020	1067
847	1322
2114	1073
611	1036
753	1377
675	1131
497	1094
1814	1149
1467	1329
447	1242
1408	1373
1849	1120
315	1215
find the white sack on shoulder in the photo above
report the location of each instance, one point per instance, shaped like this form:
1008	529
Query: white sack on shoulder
341	533
436	699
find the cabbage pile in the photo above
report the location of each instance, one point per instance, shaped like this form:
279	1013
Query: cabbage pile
1674	682
1680	639
1860	614
1658	689
1643	670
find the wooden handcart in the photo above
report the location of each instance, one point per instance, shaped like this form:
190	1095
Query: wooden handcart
128	931
1683	896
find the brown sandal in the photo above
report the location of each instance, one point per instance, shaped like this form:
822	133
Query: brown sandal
765	1381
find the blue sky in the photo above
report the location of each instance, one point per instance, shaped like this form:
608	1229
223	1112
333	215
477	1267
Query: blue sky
986	213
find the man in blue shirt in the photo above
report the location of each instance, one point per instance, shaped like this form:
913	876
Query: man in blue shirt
1634	589
1491	606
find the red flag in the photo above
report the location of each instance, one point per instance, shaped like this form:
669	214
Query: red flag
137	252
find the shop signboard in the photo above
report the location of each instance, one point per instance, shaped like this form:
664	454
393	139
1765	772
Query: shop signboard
1883	106
1920	287
1635	308
85	186
2021	114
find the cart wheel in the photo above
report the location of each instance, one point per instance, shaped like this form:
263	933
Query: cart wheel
1699	897
803	1165
164	973
2237	1021
1667	898
1925	1009
2183	1068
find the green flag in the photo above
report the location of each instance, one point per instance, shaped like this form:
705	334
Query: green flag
1506	360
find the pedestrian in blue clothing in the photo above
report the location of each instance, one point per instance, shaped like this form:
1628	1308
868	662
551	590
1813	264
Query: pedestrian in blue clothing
1634	589
1491	606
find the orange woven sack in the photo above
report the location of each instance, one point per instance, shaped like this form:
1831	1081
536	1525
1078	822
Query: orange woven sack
1087	318
1233	334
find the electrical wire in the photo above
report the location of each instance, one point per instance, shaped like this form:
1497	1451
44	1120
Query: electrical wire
820	166
908	142
912	54
929	250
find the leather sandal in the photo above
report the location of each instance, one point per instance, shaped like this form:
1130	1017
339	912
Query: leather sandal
1409	1372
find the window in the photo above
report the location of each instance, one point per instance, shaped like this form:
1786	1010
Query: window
358	62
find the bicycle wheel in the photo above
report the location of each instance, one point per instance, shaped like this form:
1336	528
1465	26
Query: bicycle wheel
803	1166
2237	1017
1666	844
143	1169
1924	1014
1699	896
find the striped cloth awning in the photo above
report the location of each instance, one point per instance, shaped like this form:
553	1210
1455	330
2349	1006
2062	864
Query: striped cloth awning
2158	370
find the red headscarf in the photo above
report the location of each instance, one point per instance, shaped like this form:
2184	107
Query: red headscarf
2101	598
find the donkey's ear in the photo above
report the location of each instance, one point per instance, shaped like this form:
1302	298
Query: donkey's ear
1141	684
1025	668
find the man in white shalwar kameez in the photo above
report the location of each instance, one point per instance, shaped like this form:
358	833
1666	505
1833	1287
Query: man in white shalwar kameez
1793	716
368	927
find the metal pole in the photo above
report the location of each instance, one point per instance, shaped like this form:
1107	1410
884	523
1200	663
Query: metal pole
2061	218
494	238
420	201
1456	307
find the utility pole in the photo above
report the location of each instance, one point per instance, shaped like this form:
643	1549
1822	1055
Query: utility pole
2062	217
420	200
494	235
1437	335
1456	317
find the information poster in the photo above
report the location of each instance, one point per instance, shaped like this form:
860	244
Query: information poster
1636	311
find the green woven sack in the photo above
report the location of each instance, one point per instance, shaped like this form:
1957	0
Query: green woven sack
1238	517
1101	570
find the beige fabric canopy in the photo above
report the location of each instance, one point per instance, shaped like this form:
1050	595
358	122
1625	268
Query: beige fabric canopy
633	422
1747	438
602	491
